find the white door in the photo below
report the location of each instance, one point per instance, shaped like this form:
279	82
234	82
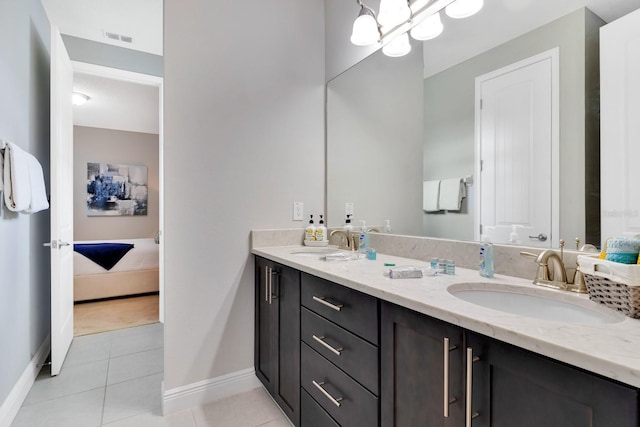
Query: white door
61	202
516	130
620	125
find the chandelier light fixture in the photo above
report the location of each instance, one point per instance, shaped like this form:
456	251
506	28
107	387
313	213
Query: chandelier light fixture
395	20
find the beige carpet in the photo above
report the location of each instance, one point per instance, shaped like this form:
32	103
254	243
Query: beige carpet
109	315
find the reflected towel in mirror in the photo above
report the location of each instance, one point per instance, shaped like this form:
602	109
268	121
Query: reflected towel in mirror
431	196
452	191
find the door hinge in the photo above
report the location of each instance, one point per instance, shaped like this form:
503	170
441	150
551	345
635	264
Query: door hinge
481	103
481	165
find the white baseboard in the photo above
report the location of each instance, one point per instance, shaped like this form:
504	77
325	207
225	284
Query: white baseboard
18	394
206	391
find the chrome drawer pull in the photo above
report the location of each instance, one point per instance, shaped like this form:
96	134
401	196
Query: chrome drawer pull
447	400
337	351
326	393
469	415
267	274
323	300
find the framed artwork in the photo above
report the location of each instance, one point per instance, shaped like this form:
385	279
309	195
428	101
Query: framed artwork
116	190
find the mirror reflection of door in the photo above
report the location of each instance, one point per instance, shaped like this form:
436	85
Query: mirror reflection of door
517	152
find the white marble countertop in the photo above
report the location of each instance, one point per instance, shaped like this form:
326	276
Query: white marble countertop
611	350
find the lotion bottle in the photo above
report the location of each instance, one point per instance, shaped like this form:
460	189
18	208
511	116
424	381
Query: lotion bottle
363	238
310	231
387	226
321	231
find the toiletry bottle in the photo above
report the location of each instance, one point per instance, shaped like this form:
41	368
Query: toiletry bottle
321	231
363	238
387	226
310	231
347	224
486	258
514	239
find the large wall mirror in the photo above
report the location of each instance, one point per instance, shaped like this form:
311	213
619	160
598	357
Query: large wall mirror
393	123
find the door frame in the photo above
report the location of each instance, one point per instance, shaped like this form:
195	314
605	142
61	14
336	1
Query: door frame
554	55
149	80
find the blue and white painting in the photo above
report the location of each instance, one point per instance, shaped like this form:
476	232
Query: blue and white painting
116	190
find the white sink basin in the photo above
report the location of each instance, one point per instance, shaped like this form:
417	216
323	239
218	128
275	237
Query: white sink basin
537	303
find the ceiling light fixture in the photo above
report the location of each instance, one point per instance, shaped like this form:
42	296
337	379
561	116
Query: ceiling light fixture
365	28
463	8
396	17
399	46
78	98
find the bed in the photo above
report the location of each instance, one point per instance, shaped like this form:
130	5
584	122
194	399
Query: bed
135	273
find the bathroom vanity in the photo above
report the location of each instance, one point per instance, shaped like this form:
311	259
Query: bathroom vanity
339	344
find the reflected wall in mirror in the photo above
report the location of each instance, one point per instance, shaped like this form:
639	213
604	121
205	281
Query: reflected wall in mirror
389	129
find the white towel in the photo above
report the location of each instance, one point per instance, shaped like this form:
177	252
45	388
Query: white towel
38	200
17	184
430	196
452	191
23	180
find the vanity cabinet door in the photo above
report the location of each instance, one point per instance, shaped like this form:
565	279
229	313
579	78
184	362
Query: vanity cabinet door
277	334
413	366
512	386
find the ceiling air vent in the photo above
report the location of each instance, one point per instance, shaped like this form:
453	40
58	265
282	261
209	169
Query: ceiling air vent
118	37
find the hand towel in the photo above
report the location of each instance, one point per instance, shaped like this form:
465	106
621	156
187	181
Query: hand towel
17	185
452	191
38	201
430	196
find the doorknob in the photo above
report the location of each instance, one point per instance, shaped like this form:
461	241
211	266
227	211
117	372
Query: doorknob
542	237
56	244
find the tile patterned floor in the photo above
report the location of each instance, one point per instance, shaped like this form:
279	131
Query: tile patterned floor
113	379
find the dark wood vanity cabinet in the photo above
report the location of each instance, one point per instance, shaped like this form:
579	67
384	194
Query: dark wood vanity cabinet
277	334
512	386
421	361
331	356
339	352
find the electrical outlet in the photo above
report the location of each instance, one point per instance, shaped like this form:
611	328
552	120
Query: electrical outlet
298	211
348	209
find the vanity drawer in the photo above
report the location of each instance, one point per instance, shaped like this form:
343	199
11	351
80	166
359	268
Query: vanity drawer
349	403
357	357
353	310
312	414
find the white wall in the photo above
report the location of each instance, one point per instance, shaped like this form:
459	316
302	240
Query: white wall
244	123
118	147
24	120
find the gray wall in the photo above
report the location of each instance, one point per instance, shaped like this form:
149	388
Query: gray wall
374	143
244	138
449	118
119	147
107	55
24	119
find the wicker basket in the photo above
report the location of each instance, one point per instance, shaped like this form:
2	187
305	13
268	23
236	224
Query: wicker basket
612	284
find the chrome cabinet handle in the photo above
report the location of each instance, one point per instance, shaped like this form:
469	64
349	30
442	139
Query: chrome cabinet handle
323	300
266	283
447	400
469	415
337	351
335	401
56	244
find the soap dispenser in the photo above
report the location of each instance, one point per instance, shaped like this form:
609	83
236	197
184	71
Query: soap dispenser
310	231
347	224
514	238
387	226
486	257
321	231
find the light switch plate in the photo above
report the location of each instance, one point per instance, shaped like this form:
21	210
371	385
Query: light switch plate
298	211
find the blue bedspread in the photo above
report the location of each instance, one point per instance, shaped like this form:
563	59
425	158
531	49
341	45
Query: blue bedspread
104	254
